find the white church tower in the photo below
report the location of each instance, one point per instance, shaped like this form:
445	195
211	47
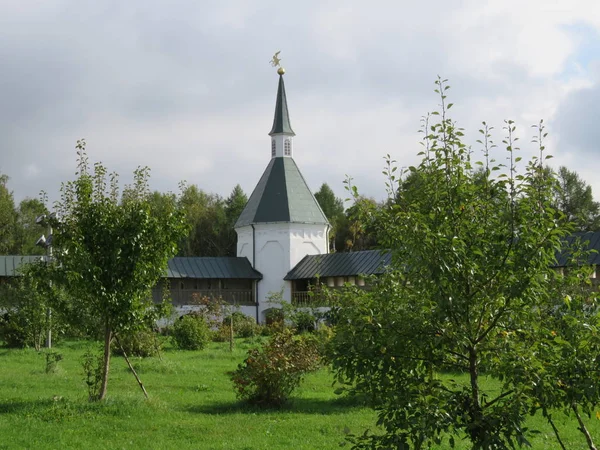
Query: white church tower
282	221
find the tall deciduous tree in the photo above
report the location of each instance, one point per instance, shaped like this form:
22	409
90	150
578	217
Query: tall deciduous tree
205	215
355	231
472	254
574	198
8	217
111	251
27	231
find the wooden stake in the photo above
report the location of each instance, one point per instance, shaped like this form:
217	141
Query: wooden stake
132	369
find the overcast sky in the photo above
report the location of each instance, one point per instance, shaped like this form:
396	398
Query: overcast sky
186	87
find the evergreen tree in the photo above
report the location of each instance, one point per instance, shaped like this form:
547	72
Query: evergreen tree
333	208
234	205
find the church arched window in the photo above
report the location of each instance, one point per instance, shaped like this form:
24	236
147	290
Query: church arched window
287	148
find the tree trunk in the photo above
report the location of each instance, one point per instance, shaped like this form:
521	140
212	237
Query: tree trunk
231	332
106	361
476	413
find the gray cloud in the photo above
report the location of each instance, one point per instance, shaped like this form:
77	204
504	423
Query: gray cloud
186	87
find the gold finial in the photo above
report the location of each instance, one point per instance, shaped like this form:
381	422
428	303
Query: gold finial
276	62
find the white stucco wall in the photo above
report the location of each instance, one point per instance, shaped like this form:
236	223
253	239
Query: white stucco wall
279	247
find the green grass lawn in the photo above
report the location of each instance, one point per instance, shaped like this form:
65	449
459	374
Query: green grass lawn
192	405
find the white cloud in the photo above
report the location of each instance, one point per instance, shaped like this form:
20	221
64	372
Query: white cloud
186	87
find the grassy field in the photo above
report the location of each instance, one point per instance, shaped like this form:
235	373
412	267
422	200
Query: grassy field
192	405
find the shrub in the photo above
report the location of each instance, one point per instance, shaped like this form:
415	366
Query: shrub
190	332
269	375
52	360
141	343
221	334
21	328
243	326
303	321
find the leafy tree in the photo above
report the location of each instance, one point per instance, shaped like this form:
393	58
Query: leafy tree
27	230
472	255
111	252
333	208
567	345
573	197
355	230
8	217
24	302
206	218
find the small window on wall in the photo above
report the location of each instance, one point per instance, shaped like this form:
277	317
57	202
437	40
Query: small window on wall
287	148
273	147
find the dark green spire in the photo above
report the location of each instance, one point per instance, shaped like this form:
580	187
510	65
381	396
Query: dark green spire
281	121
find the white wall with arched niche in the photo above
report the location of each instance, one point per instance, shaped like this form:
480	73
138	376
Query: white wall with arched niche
278	247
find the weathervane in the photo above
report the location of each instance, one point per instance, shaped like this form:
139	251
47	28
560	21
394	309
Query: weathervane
276	62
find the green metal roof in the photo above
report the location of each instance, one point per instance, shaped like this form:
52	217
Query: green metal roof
281	121
212	267
9	264
193	267
281	195
368	262
589	242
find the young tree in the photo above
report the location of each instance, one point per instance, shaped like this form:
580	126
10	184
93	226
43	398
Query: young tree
472	256
110	252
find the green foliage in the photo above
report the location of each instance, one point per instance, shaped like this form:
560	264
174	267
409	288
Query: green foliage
8	217
269	375
472	251
25	301
302	318
574	199
93	368
243	326
210	220
355	231
52	360
333	208
27	231
111	251
142	343
567	345
190	332
303	321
